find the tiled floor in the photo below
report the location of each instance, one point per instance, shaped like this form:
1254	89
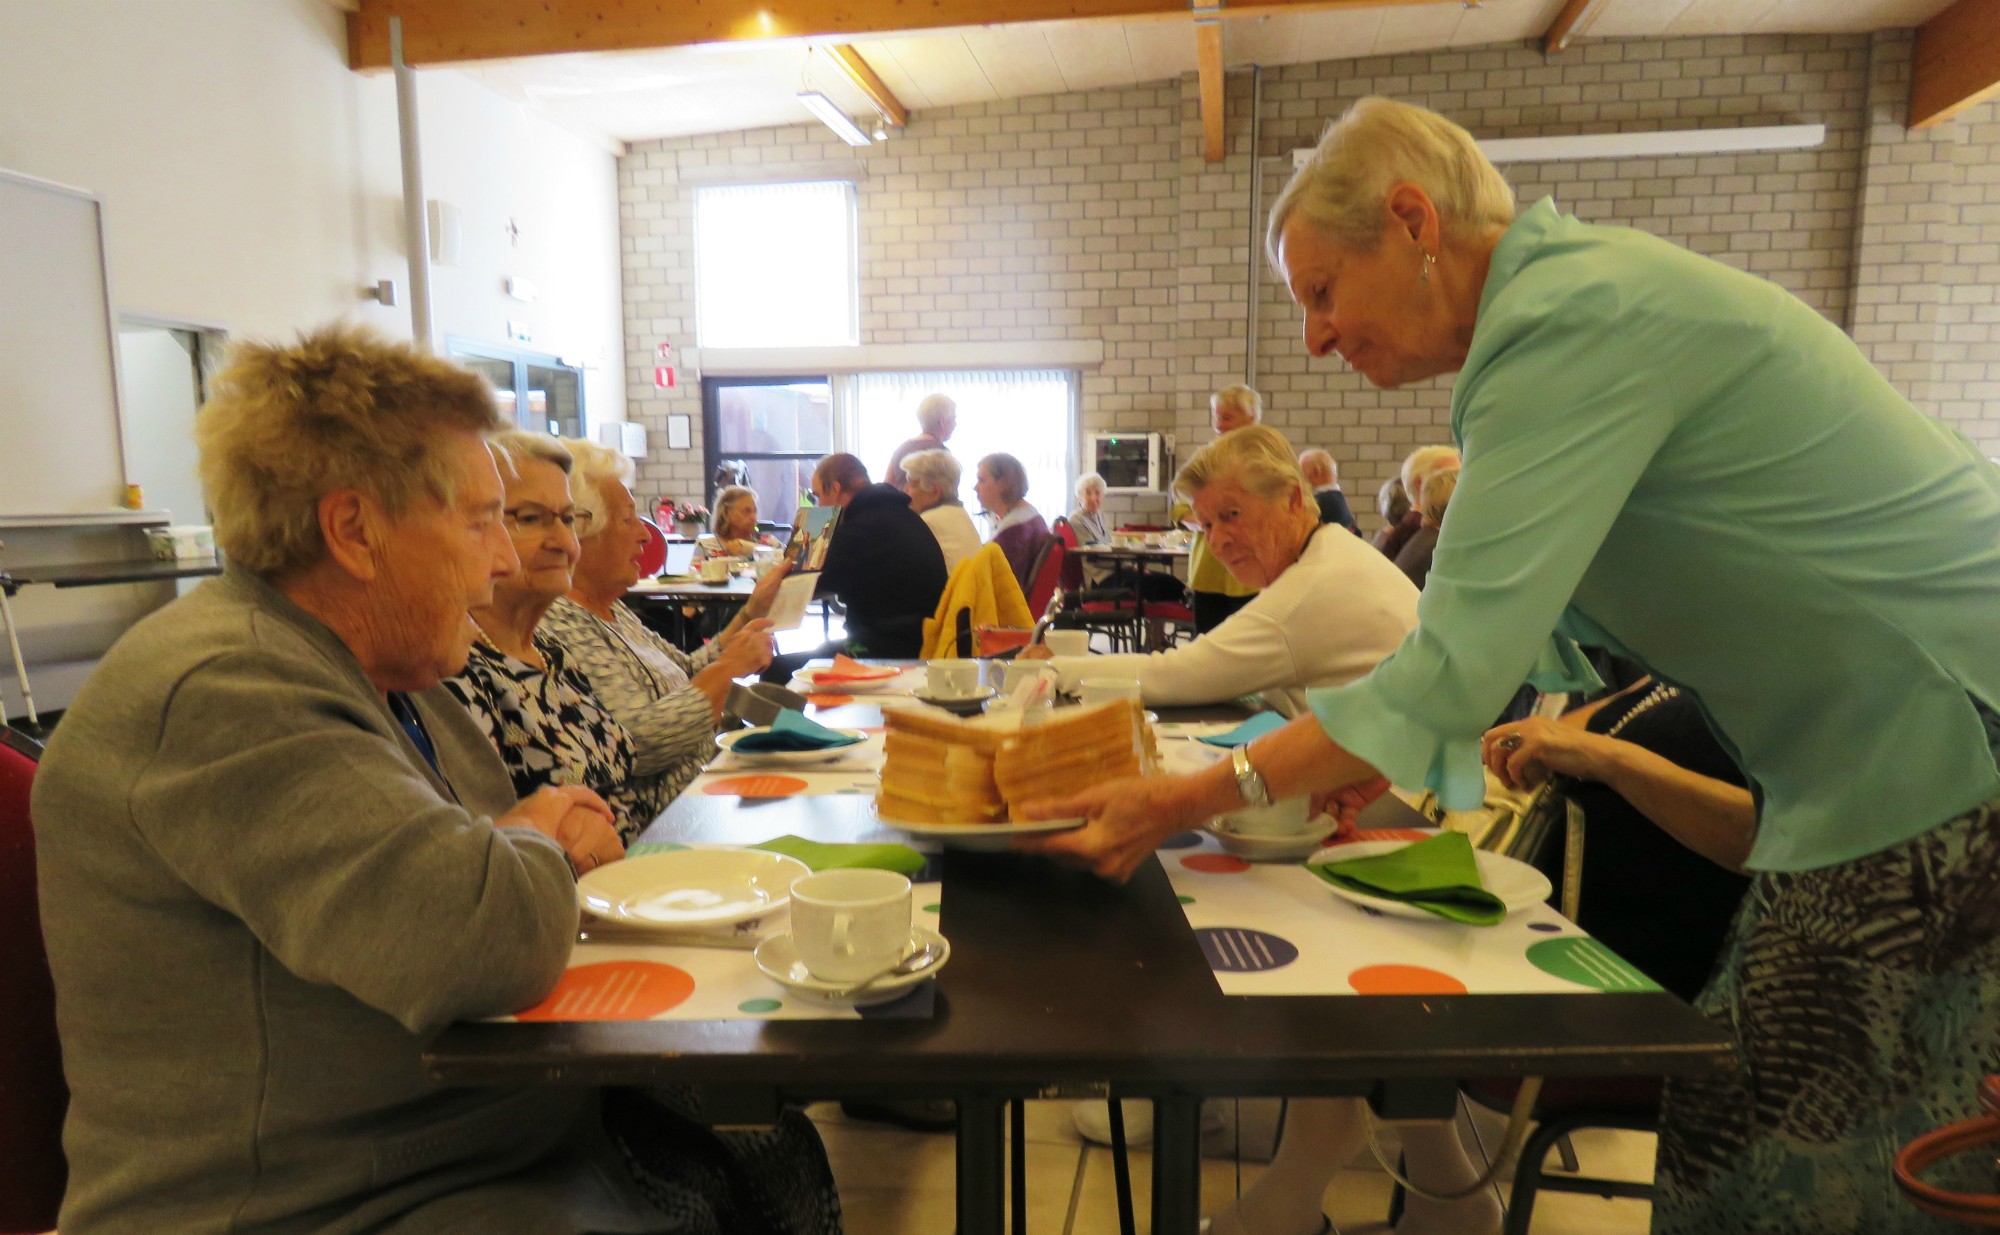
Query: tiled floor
900	1183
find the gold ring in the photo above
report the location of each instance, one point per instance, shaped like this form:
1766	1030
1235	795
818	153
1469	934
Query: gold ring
1511	741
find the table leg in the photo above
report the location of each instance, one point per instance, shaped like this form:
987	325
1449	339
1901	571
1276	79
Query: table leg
982	1149
1176	1164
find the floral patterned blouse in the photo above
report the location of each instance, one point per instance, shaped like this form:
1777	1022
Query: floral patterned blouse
550	730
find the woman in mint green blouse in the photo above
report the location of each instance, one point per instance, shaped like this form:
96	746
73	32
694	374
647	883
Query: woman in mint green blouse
1686	465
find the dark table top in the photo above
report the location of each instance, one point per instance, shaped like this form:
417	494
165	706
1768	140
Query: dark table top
91	574
1057	978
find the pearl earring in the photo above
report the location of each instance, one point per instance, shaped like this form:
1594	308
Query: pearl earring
1424	276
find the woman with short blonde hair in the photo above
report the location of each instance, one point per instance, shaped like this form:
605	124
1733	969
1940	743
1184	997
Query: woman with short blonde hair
931	479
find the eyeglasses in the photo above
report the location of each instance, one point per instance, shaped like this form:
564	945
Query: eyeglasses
540	520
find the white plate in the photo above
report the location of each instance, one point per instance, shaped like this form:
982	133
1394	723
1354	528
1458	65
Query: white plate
1252	848
1518	885
811	678
691	887
780	758
979	835
778	958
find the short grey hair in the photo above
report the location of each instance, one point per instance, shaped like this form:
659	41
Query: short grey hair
1378	144
525	445
1256	456
1311	460
934	411
1241	397
934	469
1087	482
1422	462
595	467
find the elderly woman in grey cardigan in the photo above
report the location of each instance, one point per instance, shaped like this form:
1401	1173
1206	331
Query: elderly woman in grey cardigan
276	856
668	700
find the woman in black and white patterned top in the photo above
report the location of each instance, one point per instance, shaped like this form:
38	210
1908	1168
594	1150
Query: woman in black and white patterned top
667	700
537	711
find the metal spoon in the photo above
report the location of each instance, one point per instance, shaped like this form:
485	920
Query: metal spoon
915	962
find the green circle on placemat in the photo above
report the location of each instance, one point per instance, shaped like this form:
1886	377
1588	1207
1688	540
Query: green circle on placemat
760	1005
641	848
934	907
1586	962
1186	900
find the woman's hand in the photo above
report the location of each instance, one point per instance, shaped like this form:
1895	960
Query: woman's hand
1347	802
765	593
747	649
1525	753
573	817
1127	821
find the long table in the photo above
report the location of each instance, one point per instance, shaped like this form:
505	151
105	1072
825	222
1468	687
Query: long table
1060	982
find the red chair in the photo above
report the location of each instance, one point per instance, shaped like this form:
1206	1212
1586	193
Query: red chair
1109	609
1044	574
32	1094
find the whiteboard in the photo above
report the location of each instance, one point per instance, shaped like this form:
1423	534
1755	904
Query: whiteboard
62	450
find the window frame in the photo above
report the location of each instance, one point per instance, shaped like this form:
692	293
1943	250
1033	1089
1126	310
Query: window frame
458	347
711	428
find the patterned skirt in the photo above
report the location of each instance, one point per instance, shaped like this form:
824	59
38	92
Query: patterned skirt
723	1181
1865	1003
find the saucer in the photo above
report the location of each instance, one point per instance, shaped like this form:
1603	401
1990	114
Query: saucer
962	705
1266	848
778	958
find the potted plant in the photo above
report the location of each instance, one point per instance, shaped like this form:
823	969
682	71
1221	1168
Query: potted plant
691	518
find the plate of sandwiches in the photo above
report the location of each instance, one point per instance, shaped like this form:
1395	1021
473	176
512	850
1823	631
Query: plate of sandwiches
966	781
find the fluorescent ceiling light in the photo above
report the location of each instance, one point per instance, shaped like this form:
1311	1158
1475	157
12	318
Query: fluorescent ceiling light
1641	145
833	118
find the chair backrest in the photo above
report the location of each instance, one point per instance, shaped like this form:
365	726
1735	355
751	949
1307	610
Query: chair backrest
32	1094
1043	574
1071	579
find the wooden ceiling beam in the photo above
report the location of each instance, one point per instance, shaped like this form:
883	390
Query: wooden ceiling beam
1956	63
459	31
868	83
1568	24
1208	66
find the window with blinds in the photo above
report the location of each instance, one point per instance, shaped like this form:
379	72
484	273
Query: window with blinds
1025	412
776	265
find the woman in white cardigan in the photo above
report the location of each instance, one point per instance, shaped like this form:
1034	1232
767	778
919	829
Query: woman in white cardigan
1328	609
931	478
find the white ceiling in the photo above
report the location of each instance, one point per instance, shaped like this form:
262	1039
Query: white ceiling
633	96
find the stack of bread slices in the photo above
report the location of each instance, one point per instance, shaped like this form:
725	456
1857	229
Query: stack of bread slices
941	769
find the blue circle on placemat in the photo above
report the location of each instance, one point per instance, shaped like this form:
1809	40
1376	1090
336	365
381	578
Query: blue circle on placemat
1546	927
1239	949
1181	840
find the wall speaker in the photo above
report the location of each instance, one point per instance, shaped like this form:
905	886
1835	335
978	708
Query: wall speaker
447	232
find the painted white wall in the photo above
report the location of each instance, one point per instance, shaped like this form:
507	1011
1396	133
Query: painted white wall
252	181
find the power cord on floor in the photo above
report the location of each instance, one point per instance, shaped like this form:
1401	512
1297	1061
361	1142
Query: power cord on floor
1510	1144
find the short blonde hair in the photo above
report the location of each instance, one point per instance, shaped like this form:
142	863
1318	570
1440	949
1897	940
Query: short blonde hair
1241	397
593	468
1421	463
732	495
934	411
1438	489
934	469
1378	144
1256	456
342	408
525	444
1088	481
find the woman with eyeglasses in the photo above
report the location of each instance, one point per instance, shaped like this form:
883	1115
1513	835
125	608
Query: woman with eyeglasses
532	705
668	700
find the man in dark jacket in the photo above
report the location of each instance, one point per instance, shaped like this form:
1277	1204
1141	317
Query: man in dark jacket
1324	476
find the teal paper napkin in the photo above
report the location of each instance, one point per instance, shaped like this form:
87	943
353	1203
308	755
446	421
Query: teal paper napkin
792	731
825	857
1438	875
1249	731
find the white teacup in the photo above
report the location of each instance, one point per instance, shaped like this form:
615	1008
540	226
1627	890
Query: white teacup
851	924
715	570
1068	642
952	679
1093	691
1287	817
1015	672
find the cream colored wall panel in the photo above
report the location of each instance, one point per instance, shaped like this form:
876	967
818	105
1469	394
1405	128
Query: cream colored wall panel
1504	23
1016	59
1719	16
1270	39
881	56
1159	49
1419	28
944	68
1849	16
1338	34
1631	19
1093	54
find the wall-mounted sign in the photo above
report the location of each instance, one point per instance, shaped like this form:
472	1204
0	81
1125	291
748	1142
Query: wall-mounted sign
663	376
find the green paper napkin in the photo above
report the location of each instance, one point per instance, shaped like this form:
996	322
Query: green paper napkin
792	731
824	857
1438	875
1249	731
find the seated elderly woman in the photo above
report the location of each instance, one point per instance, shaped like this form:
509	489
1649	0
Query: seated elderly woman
734	532
1087	520
536	709
1328	609
666	699
931	479
1018	528
276	857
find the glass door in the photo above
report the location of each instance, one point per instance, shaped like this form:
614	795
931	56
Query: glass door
778	428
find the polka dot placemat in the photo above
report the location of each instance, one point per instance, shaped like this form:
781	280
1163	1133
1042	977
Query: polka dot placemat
613	991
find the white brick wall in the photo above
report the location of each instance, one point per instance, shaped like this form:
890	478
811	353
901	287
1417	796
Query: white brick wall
1092	215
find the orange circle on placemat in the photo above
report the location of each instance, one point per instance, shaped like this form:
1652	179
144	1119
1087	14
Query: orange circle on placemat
1403	980
829	701
756	786
1215	864
613	991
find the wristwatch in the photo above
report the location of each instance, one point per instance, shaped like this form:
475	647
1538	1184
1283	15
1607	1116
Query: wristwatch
1250	784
